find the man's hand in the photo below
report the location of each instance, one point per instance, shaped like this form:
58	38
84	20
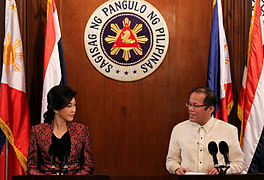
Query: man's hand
180	171
212	170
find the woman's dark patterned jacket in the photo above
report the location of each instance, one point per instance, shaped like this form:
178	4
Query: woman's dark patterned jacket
80	158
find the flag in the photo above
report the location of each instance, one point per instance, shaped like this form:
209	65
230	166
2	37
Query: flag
218	74
14	112
251	99
54	72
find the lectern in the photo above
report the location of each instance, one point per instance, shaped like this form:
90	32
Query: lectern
64	177
223	177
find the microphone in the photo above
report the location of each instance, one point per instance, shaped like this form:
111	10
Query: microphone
224	149
212	148
53	159
53	163
65	163
65	158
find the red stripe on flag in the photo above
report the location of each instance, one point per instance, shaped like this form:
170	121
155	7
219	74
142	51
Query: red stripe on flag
50	38
226	104
15	116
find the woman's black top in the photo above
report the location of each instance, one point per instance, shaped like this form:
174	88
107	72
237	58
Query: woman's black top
61	146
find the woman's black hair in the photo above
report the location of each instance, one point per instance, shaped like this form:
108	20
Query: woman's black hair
58	98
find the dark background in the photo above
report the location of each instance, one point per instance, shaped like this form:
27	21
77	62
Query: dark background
130	122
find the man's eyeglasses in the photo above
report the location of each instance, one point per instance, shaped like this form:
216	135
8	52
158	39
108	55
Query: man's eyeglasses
188	105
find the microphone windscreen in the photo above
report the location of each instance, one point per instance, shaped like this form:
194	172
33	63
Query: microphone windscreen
223	147
212	148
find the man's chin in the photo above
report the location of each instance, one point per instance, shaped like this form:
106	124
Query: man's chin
191	119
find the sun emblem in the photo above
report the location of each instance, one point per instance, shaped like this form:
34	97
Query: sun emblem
13	6
11	53
126	39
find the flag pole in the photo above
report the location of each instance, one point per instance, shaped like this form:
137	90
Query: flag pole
6	160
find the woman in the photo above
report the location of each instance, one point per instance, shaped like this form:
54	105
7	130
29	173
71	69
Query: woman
60	146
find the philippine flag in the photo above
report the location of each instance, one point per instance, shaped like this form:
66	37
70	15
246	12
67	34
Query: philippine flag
218	74
14	111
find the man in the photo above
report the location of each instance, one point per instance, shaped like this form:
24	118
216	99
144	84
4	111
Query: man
188	148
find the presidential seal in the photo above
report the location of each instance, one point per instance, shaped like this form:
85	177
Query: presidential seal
126	40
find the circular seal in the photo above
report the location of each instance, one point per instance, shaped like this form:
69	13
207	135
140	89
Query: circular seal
126	40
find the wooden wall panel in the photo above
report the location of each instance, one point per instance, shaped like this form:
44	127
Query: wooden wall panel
130	122
36	19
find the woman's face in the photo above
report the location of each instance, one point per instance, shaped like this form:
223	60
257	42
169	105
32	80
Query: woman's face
67	113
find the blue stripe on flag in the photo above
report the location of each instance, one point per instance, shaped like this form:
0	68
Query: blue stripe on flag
2	140
257	163
213	72
62	64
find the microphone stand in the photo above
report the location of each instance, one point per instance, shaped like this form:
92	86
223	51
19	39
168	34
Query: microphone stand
222	169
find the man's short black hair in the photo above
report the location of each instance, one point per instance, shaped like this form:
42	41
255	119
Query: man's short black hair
210	98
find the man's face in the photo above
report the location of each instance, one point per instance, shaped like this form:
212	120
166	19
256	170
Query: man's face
199	115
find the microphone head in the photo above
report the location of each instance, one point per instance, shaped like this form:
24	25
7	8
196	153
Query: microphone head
223	147
212	148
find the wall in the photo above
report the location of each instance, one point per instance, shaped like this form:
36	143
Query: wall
130	122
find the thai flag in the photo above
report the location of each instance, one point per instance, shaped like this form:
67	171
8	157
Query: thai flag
218	74
54	72
251	100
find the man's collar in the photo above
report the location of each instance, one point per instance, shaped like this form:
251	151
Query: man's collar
207	127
